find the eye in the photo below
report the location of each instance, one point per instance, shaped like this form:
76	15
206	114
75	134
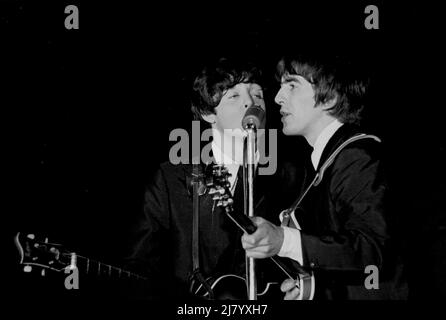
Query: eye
258	95
233	95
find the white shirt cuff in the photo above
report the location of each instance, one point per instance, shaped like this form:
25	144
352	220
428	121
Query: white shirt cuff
292	245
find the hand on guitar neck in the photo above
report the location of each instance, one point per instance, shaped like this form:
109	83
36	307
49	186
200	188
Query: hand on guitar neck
262	239
265	242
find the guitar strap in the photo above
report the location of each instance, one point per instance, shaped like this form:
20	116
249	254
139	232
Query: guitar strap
195	217
288	214
197	184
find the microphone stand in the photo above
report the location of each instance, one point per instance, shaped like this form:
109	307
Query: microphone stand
248	171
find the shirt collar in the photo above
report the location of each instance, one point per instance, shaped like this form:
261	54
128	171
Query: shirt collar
322	141
221	157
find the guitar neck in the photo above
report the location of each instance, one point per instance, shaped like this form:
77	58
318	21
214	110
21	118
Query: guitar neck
246	225
241	220
99	269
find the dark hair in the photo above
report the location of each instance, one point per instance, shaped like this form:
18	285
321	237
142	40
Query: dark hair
332	78
217	77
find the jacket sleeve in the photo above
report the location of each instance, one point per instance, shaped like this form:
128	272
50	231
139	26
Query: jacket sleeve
147	244
357	189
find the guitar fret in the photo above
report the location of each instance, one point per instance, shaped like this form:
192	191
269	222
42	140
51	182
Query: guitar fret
93	264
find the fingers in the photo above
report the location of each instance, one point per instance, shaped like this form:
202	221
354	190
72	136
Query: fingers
257	249
291	290
292	295
258	220
265	242
265	252
288	284
258	238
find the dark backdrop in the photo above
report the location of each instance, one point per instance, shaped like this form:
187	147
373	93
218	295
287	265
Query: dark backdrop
87	112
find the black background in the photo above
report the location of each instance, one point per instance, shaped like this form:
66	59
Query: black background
87	113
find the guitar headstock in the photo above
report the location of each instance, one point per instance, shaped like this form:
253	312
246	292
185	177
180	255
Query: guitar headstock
39	252
219	186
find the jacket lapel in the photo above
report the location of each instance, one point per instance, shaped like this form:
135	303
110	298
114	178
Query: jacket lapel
341	135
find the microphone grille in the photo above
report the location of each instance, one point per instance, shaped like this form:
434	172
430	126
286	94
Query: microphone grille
254	115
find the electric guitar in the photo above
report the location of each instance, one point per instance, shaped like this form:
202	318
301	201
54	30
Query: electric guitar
219	186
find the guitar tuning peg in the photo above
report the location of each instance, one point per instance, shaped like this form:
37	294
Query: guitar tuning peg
27	269
31	236
42	273
216	191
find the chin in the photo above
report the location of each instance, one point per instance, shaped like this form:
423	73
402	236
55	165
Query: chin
286	131
289	131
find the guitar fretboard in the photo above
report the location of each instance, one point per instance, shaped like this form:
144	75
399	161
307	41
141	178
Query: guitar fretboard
97	268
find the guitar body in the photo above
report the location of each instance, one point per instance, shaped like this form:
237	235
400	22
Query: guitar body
304	279
233	287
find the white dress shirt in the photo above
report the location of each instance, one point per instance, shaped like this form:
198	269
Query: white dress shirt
231	165
322	141
221	157
292	242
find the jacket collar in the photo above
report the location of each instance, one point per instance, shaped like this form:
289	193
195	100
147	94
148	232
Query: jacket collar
342	134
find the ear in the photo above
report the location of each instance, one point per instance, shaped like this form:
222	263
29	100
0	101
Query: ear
210	118
327	105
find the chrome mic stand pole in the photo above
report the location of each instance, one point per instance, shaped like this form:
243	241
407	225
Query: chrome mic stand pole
249	164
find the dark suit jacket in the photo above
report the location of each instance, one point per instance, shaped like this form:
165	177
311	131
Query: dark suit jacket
345	225
162	235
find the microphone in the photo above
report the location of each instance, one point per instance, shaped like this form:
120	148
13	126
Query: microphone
254	115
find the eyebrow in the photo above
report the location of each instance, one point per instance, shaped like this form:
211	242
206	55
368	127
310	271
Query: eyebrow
290	78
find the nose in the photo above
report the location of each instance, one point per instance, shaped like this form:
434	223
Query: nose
248	101
279	98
